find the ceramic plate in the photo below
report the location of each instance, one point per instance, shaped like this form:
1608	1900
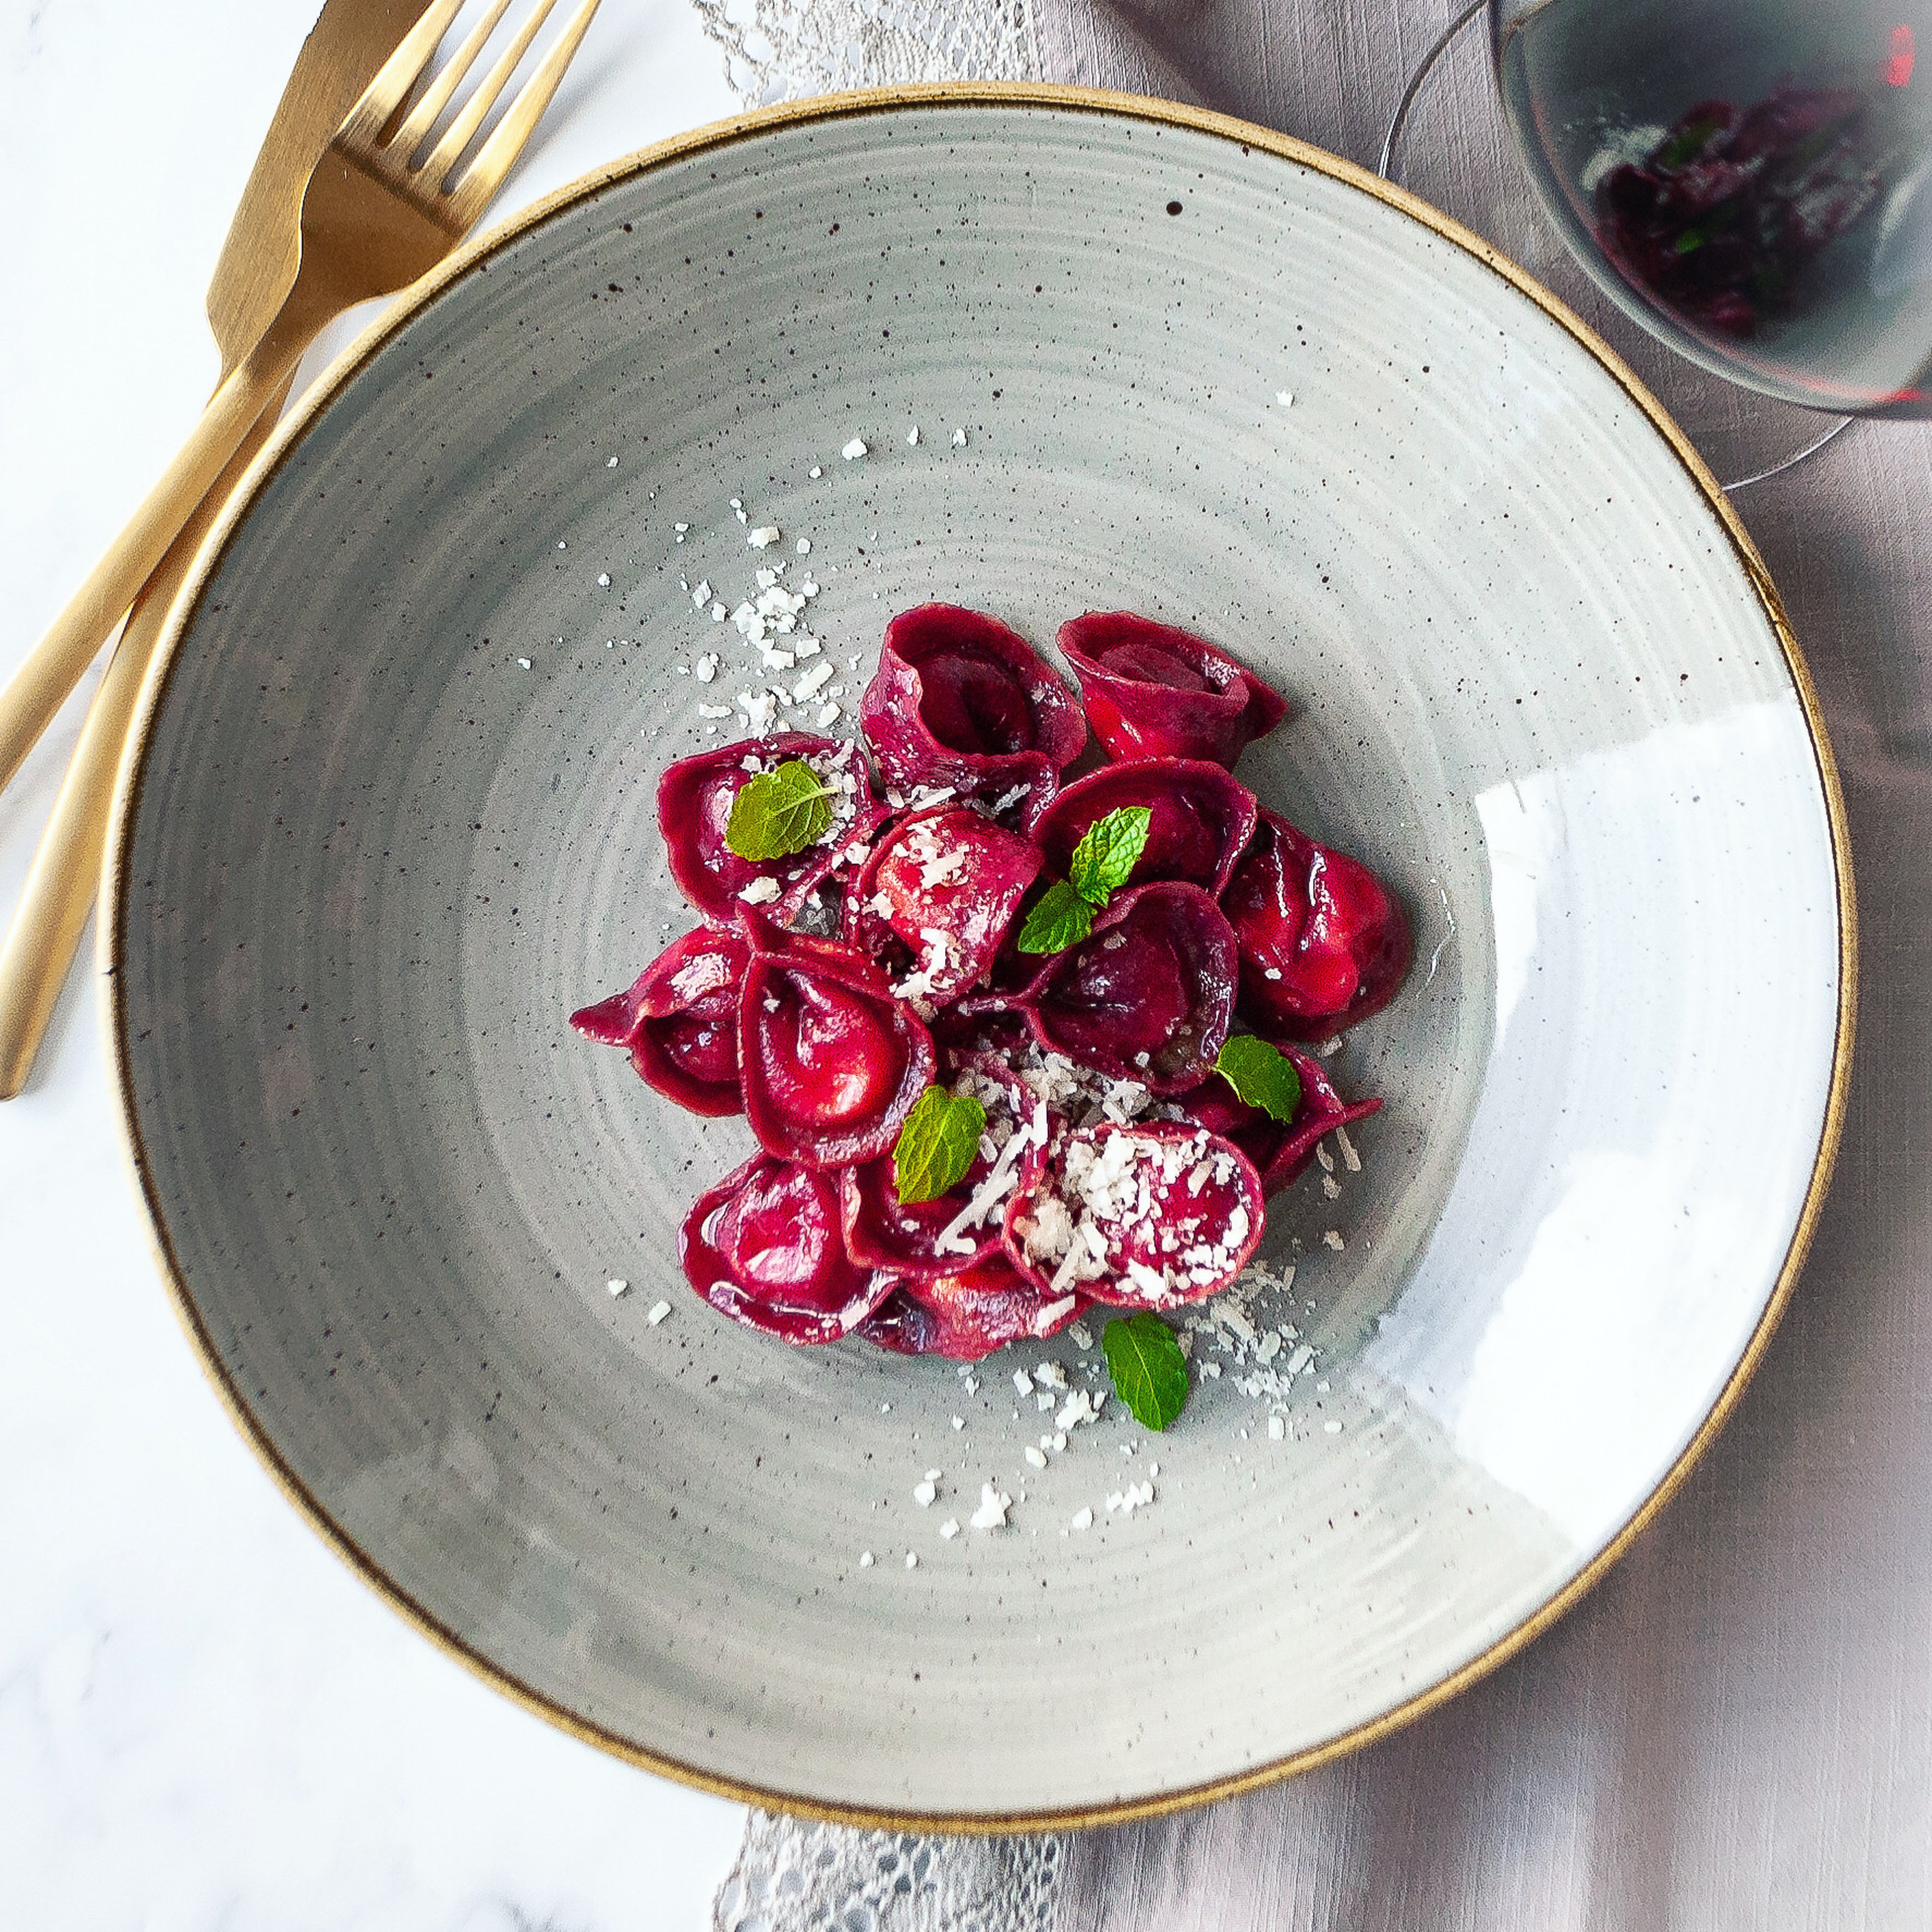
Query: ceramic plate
389	819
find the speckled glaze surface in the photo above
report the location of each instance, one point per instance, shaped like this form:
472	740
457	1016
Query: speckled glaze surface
368	861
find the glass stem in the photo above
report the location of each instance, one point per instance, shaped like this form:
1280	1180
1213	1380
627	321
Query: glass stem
1416	79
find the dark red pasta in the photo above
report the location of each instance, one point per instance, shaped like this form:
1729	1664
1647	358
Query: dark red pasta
1178	1226
763	1247
918	1239
830	1063
966	1316
1152	691
1199	823
1148	996
962	702
678	1021
1280	1149
694	799
1323	944
951	872
827	1044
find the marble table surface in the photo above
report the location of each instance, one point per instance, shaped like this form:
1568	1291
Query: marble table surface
206	1720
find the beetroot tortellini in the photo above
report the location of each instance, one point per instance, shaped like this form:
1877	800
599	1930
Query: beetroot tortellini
1148	996
1199	819
1139	1217
973	1011
1280	1149
1323	943
763	1247
962	702
968	1315
679	1022
694	800
1153	691
830	1063
945	885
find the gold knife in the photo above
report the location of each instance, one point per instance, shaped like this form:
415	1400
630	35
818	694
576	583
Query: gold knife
349	43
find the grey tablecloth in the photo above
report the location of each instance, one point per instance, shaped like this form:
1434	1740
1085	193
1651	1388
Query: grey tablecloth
1735	1729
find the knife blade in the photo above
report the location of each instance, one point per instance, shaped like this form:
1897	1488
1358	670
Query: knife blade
345	48
349	43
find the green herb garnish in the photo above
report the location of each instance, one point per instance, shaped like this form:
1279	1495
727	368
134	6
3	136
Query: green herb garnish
1261	1074
936	1144
1150	1372
1108	852
779	812
1061	919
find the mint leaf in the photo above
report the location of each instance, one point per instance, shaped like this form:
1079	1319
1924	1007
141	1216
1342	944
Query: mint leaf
1061	919
1150	1372
1108	852
779	812
1261	1074
936	1144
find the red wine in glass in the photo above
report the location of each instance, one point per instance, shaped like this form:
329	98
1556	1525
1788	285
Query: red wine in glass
1751	180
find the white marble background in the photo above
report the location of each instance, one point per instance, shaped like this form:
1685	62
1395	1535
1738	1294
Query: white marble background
206	1721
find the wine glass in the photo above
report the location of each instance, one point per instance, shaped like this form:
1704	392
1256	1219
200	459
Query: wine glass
1750	180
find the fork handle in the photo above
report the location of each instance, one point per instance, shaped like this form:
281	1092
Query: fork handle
47	924
53	667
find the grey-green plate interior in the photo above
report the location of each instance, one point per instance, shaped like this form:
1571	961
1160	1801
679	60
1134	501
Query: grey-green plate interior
375	860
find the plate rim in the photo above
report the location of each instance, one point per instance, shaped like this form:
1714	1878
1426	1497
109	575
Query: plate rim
111	937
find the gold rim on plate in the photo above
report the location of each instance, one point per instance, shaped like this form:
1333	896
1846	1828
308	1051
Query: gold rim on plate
113	937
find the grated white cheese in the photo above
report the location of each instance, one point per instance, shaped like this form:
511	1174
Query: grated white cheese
854	450
616	1287
760	891
993	1505
660	1312
1351	1159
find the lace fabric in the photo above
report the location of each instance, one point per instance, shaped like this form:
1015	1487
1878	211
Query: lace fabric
786	49
795	1877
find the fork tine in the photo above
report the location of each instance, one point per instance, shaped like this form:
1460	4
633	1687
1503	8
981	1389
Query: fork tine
498	154
461	132
423	116
399	74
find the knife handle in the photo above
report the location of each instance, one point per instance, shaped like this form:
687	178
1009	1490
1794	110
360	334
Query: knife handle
61	884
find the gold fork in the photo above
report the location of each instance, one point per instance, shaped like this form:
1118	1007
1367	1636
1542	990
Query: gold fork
373	220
